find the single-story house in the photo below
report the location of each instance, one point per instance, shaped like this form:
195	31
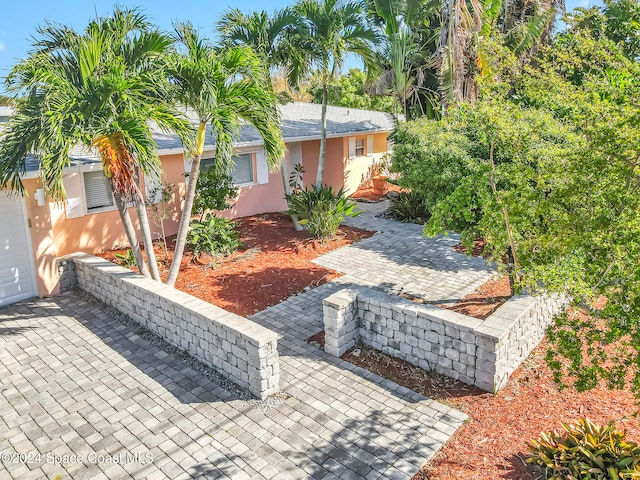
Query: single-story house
36	231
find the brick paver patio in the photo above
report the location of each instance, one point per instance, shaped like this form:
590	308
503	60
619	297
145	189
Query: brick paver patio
399	259
75	381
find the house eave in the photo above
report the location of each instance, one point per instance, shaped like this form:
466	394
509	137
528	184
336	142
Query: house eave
258	143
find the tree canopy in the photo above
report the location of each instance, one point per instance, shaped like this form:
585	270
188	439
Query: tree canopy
545	167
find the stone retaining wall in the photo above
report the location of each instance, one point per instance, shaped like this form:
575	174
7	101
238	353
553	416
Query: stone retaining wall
239	349
67	273
477	352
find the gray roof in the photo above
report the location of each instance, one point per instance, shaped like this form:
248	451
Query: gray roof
300	121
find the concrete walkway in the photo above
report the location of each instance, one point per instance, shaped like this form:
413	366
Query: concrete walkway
75	381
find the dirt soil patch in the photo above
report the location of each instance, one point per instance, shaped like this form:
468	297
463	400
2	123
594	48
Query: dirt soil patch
492	444
485	300
274	264
366	193
476	251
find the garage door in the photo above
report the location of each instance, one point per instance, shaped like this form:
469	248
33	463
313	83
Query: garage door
17	272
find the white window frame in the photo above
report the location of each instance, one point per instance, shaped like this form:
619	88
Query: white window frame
361	147
254	173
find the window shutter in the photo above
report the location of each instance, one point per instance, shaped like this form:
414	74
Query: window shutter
187	169
152	186
262	169
74	205
369	145
352	147
97	190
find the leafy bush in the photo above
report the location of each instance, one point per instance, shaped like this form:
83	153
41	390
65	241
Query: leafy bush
586	451
321	211
213	191
409	207
126	259
213	235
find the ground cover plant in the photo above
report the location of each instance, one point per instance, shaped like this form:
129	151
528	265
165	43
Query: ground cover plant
586	450
320	209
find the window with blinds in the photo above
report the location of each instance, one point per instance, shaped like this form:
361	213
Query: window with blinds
97	191
242	169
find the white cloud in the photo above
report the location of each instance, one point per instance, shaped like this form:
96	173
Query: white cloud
2	47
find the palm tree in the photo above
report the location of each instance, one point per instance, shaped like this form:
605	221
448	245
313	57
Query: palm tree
407	45
266	36
226	88
456	54
326	30
258	30
523	25
96	89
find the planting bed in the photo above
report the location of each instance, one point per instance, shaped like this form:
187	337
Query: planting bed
274	264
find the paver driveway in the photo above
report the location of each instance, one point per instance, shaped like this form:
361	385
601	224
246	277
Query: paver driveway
77	382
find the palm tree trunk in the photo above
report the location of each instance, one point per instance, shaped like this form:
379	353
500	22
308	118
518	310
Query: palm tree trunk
287	191
143	219
130	231
323	136
185	218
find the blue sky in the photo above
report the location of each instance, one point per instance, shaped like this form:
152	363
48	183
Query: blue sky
19	20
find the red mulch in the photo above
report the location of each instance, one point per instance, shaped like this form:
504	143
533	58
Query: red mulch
274	264
485	300
367	193
476	251
492	444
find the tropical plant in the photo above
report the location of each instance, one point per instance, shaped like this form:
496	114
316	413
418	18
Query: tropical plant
225	87
214	236
99	88
257	30
126	259
321	210
326	31
409	207
586	451
213	191
410	29
267	35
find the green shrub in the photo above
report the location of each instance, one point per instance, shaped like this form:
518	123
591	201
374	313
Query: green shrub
126	259
321	210
213	191
409	207
586	451
213	235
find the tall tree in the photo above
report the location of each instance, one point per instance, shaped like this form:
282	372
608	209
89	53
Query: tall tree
225	87
96	88
325	32
456	54
265	34
258	30
410	30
